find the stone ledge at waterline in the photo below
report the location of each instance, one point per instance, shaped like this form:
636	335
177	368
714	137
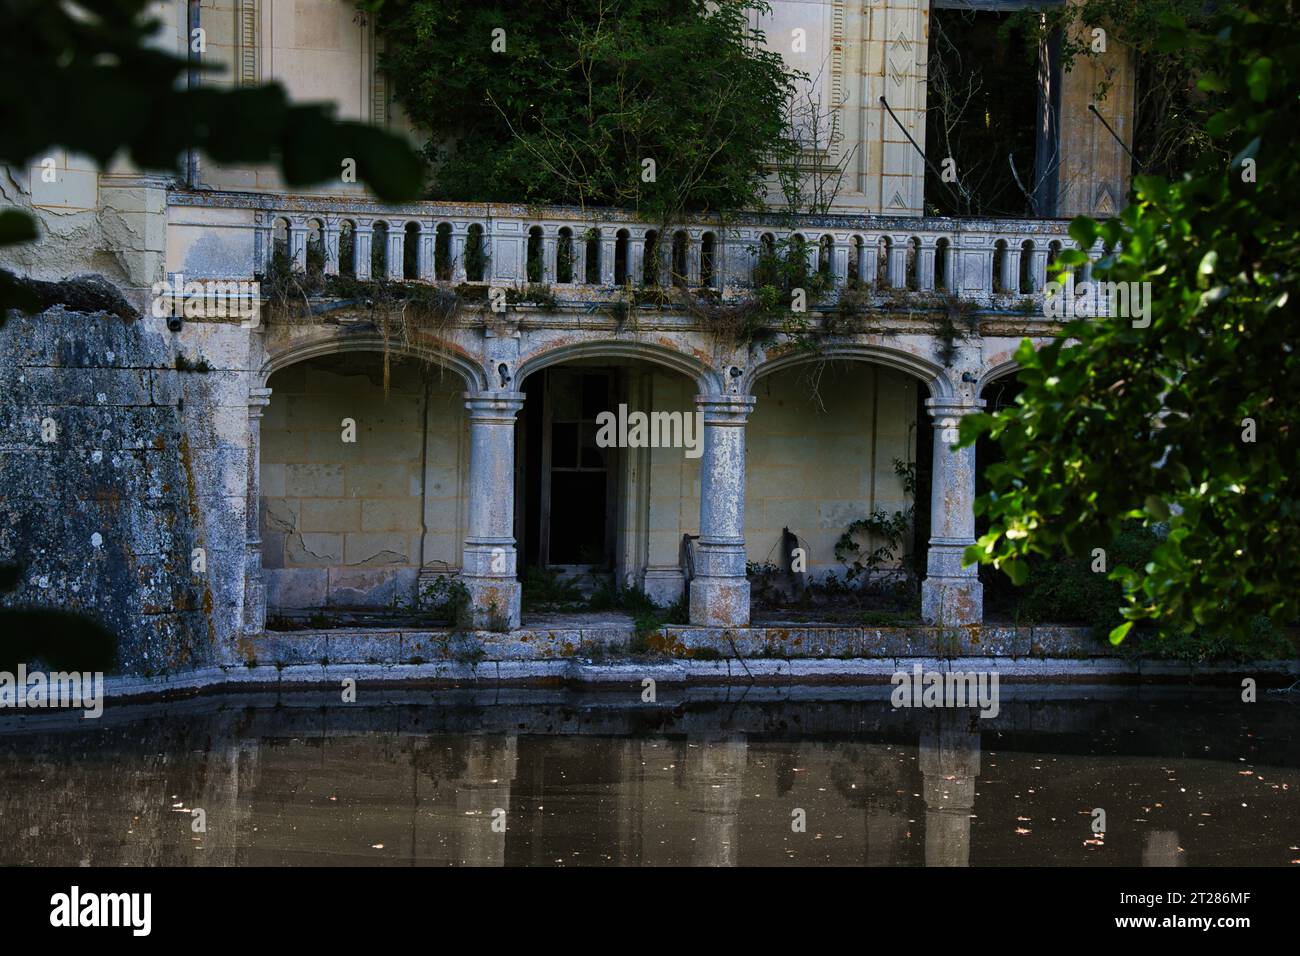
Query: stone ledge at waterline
608	641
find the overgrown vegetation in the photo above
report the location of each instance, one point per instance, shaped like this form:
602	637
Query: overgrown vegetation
1183	422
658	107
411	317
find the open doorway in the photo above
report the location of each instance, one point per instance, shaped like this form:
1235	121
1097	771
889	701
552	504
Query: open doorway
566	482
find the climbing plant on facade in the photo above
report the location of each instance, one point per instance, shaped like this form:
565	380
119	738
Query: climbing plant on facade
662	107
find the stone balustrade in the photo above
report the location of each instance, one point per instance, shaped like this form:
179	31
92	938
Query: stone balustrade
579	253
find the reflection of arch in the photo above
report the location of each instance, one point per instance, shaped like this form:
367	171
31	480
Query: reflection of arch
932	375
708	380
451	358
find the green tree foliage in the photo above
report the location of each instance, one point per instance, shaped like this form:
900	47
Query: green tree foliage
90	77
1120	422
584	93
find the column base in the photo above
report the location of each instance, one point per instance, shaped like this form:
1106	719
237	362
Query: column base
720	602
494	603
952	602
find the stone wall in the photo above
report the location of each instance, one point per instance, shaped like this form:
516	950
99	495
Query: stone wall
115	467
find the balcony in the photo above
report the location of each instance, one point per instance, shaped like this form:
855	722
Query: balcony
592	255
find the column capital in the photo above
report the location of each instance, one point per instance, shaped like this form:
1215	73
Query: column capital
493	406
725	409
258	399
954	407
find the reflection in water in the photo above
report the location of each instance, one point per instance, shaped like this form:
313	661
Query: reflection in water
553	778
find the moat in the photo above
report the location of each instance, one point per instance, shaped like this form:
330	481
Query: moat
765	776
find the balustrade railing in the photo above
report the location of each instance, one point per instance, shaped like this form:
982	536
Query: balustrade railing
991	262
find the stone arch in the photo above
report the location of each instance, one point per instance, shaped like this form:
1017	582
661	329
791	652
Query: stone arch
452	359
934	376
708	379
991	375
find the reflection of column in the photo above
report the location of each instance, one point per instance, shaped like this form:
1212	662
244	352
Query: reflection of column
950	762
485	788
951	594
720	590
1162	849
489	557
631	796
230	774
718	791
254	588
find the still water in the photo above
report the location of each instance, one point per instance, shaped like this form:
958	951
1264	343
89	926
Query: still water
764	776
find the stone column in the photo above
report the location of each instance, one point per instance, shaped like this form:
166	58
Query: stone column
254	587
840	268
361	241
1011	269
951	594
459	237
550	256
489	558
925	267
720	590
298	245
330	238
424	252
396	259
950	764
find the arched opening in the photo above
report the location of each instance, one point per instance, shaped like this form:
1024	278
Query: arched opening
411	251
913	263
315	252
280	245
999	265
564	256
825	252
379	251
680	270
608	451
442	251
708	260
838	462
622	240
764	261
942	260
363	488
650	260
1026	283
475	254
592	263
534	266
348	248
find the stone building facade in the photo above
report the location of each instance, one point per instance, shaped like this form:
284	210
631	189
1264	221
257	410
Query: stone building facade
202	476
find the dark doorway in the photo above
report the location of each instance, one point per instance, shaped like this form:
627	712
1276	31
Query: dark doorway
568	482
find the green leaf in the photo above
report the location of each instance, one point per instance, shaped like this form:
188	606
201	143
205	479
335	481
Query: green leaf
1118	634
